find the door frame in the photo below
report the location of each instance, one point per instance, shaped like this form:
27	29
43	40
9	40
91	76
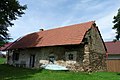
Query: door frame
32	60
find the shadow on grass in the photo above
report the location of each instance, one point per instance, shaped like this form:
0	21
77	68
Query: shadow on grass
118	73
8	72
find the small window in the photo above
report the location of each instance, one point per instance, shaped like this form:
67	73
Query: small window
51	59
70	56
85	40
16	56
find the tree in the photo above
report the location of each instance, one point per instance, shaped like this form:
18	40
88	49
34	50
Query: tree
117	24
9	10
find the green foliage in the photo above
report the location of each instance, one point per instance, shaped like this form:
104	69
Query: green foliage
117	24
2	43
9	10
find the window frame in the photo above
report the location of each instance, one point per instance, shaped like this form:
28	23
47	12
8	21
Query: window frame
70	56
16	56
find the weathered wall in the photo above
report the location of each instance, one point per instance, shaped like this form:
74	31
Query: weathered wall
42	55
24	57
96	51
61	55
9	57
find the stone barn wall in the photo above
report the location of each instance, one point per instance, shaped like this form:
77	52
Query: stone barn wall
42	56
94	51
61	55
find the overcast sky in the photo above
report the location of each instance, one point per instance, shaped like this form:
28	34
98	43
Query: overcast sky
48	14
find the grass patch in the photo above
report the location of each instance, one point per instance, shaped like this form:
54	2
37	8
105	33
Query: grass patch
8	72
2	60
13	73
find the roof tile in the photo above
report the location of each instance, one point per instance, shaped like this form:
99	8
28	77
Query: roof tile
67	35
113	47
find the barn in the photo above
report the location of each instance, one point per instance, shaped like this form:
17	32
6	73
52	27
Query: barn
113	56
78	47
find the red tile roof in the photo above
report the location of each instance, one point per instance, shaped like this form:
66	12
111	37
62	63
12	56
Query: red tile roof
67	35
113	47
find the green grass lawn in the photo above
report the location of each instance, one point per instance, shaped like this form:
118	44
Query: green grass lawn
2	60
13	73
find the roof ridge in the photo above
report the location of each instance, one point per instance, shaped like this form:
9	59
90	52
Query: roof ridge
68	26
58	28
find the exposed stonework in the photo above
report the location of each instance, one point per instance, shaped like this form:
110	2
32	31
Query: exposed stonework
86	60
97	62
94	52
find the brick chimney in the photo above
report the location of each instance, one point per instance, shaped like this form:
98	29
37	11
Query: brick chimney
41	29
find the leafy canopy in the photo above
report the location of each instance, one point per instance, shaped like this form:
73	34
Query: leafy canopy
117	24
9	10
